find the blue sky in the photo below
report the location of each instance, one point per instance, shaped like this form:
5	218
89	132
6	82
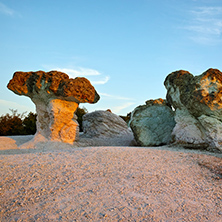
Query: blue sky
126	48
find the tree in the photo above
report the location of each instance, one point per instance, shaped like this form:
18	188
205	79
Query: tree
11	124
29	123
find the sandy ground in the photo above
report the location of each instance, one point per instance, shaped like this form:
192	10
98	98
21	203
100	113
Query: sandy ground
59	182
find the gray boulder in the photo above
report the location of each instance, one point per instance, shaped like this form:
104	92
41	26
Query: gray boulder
104	124
152	124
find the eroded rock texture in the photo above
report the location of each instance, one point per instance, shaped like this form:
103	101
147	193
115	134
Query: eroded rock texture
152	124
197	101
104	124
56	97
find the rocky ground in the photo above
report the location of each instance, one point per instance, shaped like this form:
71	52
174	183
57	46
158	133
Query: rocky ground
57	182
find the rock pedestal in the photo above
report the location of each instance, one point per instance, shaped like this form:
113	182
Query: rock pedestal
56	98
56	120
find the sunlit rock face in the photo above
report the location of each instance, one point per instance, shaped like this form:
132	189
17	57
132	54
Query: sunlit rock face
197	101
56	97
152	124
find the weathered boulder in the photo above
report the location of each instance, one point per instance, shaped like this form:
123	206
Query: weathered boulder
188	130
152	124
104	124
197	101
56	97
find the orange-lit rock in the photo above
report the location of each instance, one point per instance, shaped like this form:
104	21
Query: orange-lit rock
159	101
53	84
56	98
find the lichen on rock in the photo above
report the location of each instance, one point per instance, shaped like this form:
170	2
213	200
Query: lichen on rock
197	101
53	84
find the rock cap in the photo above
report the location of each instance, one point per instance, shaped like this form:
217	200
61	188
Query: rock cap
53	85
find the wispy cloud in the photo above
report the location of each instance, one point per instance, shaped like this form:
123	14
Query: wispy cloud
101	82
95	77
205	25
118	109
203	11
118	104
114	96
6	10
79	72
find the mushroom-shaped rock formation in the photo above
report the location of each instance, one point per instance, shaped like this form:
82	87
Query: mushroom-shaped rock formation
56	97
197	101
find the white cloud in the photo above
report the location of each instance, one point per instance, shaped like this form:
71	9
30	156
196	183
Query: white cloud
114	96
118	104
6	10
79	72
118	109
206	25
100	82
206	11
85	72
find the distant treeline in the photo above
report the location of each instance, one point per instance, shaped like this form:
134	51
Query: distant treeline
17	124
22	124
